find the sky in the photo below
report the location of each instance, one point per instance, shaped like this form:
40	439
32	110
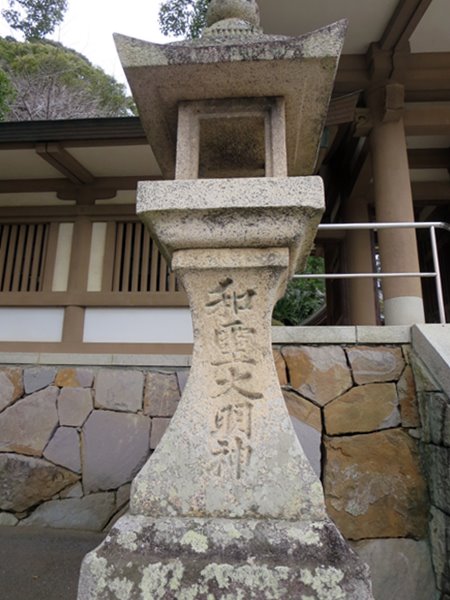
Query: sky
89	24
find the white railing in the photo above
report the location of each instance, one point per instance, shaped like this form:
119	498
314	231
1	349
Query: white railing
436	273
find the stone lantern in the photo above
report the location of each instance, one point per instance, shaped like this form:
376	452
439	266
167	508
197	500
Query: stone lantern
228	506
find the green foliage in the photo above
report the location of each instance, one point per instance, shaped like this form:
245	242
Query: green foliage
6	94
35	18
54	82
185	18
303	297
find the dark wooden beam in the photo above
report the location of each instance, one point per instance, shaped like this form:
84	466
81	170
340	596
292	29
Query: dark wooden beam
11	186
431	193
429	158
57	156
403	23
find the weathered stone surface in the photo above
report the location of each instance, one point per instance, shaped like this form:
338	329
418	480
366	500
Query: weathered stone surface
91	512
159	426
372	364
26	481
433	407
119	389
400	569
161	394
37	378
311	442
123	495
374	487
74	406
302	409
423	379
8	519
223	559
73	491
114	448
364	408
64	448
11	386
280	366
406	391
182	377
440	547
437	466
70	377
26	426
318	373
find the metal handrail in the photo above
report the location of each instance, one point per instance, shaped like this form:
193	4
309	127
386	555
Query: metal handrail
436	274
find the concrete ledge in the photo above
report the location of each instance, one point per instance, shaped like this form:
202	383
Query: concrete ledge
432	345
136	360
342	335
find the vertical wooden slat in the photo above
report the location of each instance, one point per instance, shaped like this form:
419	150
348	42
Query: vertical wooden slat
145	260
172	282
162	275
154	268
18	263
110	257
39	258
136	258
4	235
118	257
26	269
127	257
10	257
46	266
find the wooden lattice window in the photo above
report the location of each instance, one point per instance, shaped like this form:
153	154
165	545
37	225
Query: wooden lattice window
138	265
22	256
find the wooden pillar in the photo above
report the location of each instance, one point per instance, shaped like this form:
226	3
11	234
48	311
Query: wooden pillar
403	303
362	303
73	326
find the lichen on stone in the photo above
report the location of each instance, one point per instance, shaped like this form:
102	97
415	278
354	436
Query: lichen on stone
325	582
197	541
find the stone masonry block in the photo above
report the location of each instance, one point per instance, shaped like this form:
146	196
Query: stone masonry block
374	487
64	449
74	406
407	396
318	373
161	394
26	481
119	390
302	409
70	377
433	407
11	386
26	426
437	465
364	408
114	447
374	364
440	547
159	426
37	378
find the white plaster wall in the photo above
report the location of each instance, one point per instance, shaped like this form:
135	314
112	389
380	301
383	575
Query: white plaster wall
31	324
138	325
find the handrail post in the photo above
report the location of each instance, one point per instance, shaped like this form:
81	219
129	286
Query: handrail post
438	281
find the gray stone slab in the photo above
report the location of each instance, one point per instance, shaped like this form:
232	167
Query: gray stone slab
119	389
440	547
6	391
161	395
90	512
311	441
401	569
26	426
388	334
64	449
437	466
19	358
115	445
152	360
61	358
26	481
74	406
159	426
313	335
432	344
37	378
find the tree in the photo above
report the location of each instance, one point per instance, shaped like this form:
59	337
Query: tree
53	82
6	94
185	18
303	297
35	18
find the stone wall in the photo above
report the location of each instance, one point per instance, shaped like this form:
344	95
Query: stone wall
434	408
71	440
